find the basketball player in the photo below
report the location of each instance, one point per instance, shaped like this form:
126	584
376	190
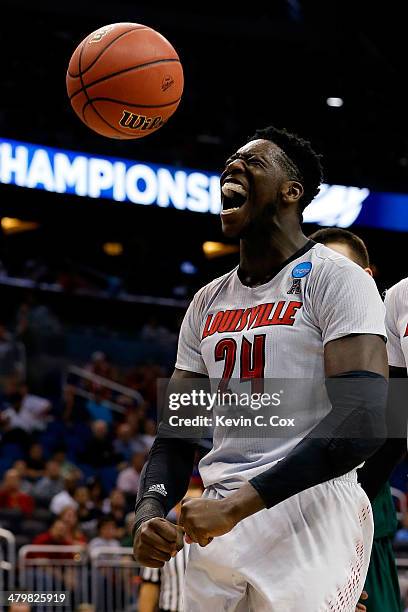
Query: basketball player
382	583
283	524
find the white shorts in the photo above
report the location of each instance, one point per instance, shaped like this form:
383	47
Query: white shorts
309	553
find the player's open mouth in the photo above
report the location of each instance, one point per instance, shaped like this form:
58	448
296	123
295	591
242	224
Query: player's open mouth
234	195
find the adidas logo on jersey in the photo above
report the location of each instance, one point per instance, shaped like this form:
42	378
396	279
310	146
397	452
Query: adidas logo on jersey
158	488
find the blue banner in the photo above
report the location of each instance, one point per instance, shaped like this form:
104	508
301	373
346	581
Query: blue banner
123	180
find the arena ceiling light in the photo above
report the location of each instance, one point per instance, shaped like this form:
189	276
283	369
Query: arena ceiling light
113	249
13	226
335	102
218	249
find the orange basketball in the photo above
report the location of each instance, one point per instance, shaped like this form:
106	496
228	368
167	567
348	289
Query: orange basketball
125	80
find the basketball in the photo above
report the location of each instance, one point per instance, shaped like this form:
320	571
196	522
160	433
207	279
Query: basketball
125	80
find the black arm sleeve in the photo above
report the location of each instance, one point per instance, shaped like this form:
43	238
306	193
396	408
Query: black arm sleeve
164	479
352	431
378	468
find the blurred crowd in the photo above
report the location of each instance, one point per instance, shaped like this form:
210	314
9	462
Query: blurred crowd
71	456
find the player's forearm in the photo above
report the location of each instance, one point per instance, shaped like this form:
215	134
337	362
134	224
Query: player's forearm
347	436
244	502
165	478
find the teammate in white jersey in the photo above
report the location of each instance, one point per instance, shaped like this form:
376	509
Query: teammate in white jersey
396	302
283	524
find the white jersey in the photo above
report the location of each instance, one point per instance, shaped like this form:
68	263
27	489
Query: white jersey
396	321
276	330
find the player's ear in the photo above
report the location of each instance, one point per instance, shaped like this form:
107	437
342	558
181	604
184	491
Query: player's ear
369	271
292	191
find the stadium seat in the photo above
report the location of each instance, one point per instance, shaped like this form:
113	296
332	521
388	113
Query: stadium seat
13	516
43	514
32	527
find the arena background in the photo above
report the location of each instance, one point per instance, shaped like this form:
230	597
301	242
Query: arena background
81	276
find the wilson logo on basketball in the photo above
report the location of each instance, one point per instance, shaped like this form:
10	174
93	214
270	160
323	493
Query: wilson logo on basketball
100	34
167	82
140	122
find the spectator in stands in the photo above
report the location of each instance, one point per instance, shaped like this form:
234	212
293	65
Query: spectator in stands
35	462
155	333
60	456
127	539
95	489
126	444
129	478
98	406
115	507
401	537
88	515
50	484
57	534
10	358
106	533
99	451
25	485
149	433
69	516
101	366
66	496
11	496
24	415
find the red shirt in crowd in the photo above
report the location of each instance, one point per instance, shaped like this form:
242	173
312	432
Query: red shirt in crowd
20	501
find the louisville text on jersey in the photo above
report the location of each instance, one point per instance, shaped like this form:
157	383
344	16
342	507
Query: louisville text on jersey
237	320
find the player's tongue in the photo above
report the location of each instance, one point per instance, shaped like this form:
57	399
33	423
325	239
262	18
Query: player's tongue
234	196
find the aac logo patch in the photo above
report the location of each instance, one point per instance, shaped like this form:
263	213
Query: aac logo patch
302	269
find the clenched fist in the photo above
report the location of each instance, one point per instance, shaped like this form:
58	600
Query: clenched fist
203	519
156	541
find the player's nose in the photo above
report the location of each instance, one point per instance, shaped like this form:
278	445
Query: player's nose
236	166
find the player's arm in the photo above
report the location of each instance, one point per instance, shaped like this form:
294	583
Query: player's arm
164	482
379	467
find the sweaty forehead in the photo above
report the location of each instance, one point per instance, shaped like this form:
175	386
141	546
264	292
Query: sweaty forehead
262	147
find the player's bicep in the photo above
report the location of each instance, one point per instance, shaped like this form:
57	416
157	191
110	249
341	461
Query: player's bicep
356	353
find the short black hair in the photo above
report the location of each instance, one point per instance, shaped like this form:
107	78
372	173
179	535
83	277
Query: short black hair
105	520
299	160
354	242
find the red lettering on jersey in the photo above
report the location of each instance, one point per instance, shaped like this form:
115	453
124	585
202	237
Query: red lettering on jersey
206	331
235	319
215	323
226	321
263	319
283	313
289	314
256	314
406	331
244	320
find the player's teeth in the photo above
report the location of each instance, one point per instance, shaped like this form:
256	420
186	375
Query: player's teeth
229	188
230	210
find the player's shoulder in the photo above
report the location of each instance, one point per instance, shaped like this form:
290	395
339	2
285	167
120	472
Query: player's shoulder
400	288
327	258
208	292
398	292
329	263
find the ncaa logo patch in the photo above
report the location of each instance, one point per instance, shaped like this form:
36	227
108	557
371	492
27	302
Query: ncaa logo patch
302	269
